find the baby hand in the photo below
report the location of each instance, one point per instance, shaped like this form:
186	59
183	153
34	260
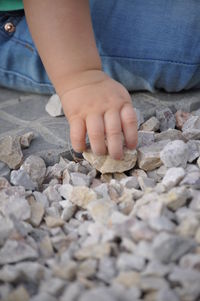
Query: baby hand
102	107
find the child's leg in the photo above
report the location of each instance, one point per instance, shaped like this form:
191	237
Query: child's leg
20	65
149	44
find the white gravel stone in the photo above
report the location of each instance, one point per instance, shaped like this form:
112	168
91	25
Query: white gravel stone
35	167
175	154
54	106
173	176
22	178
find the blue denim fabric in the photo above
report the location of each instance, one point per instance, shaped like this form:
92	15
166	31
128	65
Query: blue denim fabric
145	45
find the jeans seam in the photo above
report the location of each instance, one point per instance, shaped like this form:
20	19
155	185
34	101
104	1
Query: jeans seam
24	77
150	60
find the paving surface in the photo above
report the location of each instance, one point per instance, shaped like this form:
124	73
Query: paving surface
21	112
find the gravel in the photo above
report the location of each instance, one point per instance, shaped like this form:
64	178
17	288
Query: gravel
104	230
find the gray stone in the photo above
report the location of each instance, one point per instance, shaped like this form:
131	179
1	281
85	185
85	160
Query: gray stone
152	124
157	269
181	118
43	297
171	134
190	261
16	206
173	177
22	178
10	151
192	123
53	286
14	251
80	179
25	139
41	198
127	261
161	223
166	118
68	211
145	138
175	154
149	156
6	228
4	170
191	134
146	183
36	168
130	182
194	150
72	292
153	283
166	294
170	247
98	294
107	269
140	117
37	213
189	281
106	164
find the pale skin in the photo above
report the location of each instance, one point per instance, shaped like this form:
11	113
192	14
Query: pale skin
92	102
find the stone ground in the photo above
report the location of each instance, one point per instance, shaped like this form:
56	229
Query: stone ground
71	233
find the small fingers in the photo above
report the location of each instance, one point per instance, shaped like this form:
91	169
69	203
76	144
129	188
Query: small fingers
129	125
114	134
95	130
77	134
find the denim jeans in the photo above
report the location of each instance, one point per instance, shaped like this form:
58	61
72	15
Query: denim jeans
145	45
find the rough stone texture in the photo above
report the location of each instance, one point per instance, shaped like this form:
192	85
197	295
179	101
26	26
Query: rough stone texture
166	118
181	118
25	139
10	151
152	124
54	106
15	251
149	156
36	168
175	154
173	176
105	164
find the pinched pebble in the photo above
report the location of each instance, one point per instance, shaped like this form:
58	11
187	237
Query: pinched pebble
175	154
106	164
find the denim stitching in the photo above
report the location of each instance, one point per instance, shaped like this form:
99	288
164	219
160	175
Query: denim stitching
150	59
24	78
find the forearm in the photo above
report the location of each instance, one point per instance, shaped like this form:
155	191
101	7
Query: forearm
63	34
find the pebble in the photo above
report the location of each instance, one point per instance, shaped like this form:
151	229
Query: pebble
181	118
170	134
149	156
25	139
166	118
18	294
54	106
4	170
145	138
128	279
175	154
36	168
100	210
68	211
192	123
152	124
128	261
15	251
16	206
194	150
10	152
173	177
82	196
53	222
106	164
175	198
170	247
37	213
22	178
